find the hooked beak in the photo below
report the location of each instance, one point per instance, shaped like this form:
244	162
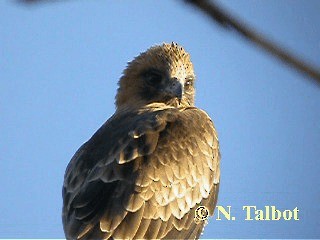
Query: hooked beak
175	89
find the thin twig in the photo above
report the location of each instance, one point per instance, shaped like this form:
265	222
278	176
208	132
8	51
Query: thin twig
227	21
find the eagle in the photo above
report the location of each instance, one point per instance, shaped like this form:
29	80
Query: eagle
152	164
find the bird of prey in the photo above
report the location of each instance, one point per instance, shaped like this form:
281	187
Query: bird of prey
144	173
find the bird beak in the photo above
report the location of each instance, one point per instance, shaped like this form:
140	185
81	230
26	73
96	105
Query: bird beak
175	89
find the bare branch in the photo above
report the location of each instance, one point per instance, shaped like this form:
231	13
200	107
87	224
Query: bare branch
227	21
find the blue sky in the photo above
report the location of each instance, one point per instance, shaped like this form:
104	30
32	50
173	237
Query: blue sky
59	68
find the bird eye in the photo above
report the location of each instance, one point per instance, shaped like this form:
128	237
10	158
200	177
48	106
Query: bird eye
153	77
188	82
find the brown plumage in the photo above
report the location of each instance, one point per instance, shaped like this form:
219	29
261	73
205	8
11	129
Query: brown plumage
147	169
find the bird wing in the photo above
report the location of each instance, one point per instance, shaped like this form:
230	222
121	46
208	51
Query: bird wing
141	175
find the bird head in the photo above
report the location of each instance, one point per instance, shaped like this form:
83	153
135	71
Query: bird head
162	74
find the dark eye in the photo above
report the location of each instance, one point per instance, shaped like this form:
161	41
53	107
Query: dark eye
188	82
153	77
